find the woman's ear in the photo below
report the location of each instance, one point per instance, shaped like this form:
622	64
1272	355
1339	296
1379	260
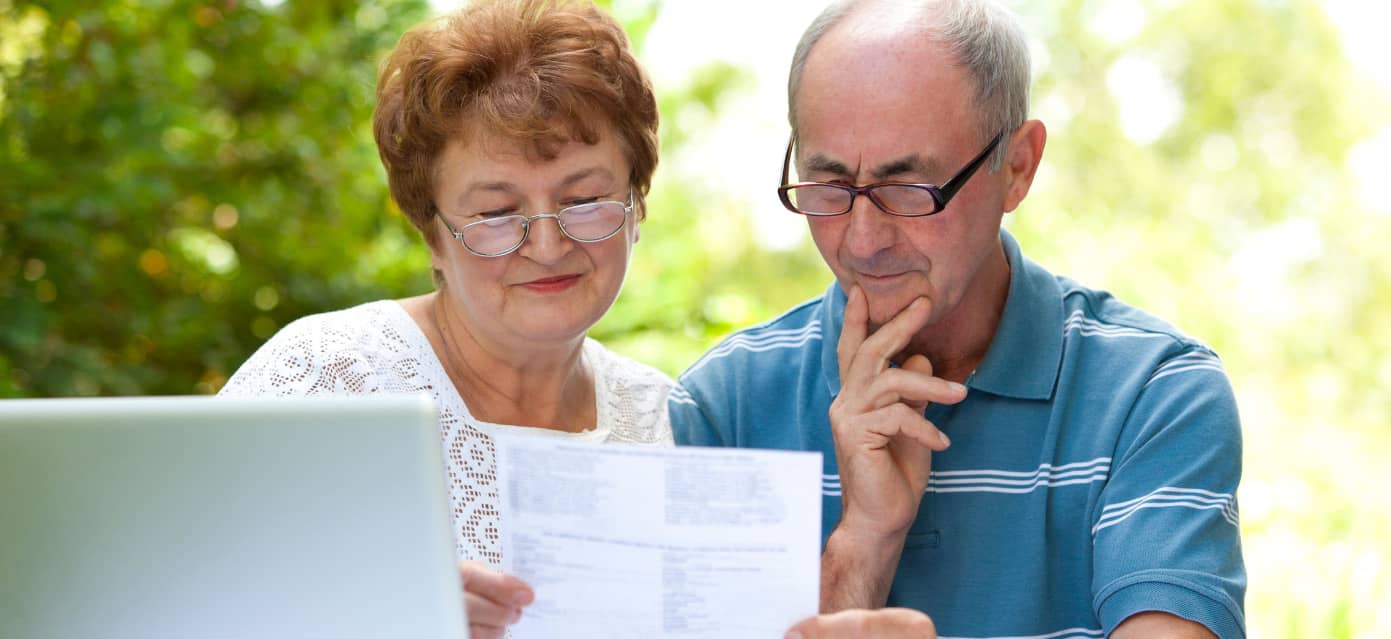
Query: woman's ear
436	242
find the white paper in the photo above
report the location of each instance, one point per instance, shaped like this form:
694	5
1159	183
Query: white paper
637	541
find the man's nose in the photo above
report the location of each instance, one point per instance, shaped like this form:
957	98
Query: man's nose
870	230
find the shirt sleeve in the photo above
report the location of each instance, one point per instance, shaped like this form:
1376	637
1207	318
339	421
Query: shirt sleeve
1165	530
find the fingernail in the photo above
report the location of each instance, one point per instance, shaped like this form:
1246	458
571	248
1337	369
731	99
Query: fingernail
519	598
946	441
792	635
959	388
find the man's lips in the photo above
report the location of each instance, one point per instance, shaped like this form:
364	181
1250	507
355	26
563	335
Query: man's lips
878	277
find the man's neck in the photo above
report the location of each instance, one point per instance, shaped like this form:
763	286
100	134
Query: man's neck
958	342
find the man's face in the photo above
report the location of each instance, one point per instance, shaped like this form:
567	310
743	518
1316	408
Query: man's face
896	110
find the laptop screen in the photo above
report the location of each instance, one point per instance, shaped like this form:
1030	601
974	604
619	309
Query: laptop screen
208	517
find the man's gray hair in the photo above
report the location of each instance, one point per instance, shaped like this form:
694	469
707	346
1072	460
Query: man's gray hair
985	38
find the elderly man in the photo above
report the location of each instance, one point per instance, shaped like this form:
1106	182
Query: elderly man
1006	450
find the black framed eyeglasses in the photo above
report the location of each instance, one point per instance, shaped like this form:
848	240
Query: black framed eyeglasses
498	236
821	199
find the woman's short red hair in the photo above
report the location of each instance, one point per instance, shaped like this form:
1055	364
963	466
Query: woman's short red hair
537	72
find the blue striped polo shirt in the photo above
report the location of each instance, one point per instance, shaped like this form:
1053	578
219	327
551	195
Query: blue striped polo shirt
1092	473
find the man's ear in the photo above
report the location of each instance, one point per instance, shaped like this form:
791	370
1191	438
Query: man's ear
1021	161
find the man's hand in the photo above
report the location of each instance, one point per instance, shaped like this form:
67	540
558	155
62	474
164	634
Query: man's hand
888	623
883	443
494	600
884	448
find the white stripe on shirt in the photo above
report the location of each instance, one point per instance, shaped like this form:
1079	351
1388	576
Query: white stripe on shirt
1002	481
1168	497
763	341
1087	326
1070	633
1167	371
680	395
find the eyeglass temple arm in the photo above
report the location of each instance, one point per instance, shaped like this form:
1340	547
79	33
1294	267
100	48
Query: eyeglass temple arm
953	185
787	161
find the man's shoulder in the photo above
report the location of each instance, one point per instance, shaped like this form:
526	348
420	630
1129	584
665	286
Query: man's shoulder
1095	315
1108	341
770	346
747	390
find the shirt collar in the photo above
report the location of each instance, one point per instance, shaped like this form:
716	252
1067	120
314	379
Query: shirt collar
1024	356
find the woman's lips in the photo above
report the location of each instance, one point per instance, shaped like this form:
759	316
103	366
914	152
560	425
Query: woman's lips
552	284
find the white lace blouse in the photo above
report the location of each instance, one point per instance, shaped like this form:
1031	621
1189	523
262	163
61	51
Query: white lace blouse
377	349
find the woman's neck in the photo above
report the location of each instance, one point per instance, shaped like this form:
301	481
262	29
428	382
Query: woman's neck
517	382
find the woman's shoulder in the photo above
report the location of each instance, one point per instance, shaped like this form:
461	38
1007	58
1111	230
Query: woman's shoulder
632	396
342	351
365	328
620	369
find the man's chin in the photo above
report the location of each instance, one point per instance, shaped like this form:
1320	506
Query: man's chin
886	297
882	310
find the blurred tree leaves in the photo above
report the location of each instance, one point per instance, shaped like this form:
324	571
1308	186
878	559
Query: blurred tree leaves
182	178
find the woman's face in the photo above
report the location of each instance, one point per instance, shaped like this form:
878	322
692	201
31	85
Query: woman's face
552	288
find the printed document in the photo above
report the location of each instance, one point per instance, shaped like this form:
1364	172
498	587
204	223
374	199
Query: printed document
636	541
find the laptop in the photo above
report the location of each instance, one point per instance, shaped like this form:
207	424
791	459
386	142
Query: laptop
207	517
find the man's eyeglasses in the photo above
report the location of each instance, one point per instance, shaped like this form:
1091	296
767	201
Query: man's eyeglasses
497	236
895	198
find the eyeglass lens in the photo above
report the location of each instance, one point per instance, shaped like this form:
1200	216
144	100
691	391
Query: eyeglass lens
831	200
584	222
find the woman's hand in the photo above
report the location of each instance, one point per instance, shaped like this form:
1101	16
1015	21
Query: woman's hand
885	623
494	600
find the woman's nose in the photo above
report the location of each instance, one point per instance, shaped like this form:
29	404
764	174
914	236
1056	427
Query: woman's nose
545	242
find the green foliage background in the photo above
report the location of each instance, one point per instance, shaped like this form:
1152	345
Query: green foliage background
178	179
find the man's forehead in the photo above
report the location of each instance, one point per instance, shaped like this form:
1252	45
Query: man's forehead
849	86
863	163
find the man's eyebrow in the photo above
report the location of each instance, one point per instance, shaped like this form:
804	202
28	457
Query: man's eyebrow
819	163
912	165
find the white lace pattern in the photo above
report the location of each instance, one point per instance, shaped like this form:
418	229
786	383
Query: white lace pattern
377	349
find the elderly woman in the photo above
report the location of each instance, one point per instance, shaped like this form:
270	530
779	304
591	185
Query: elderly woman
520	137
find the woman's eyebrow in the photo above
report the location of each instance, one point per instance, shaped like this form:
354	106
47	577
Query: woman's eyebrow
510	188
489	187
582	174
